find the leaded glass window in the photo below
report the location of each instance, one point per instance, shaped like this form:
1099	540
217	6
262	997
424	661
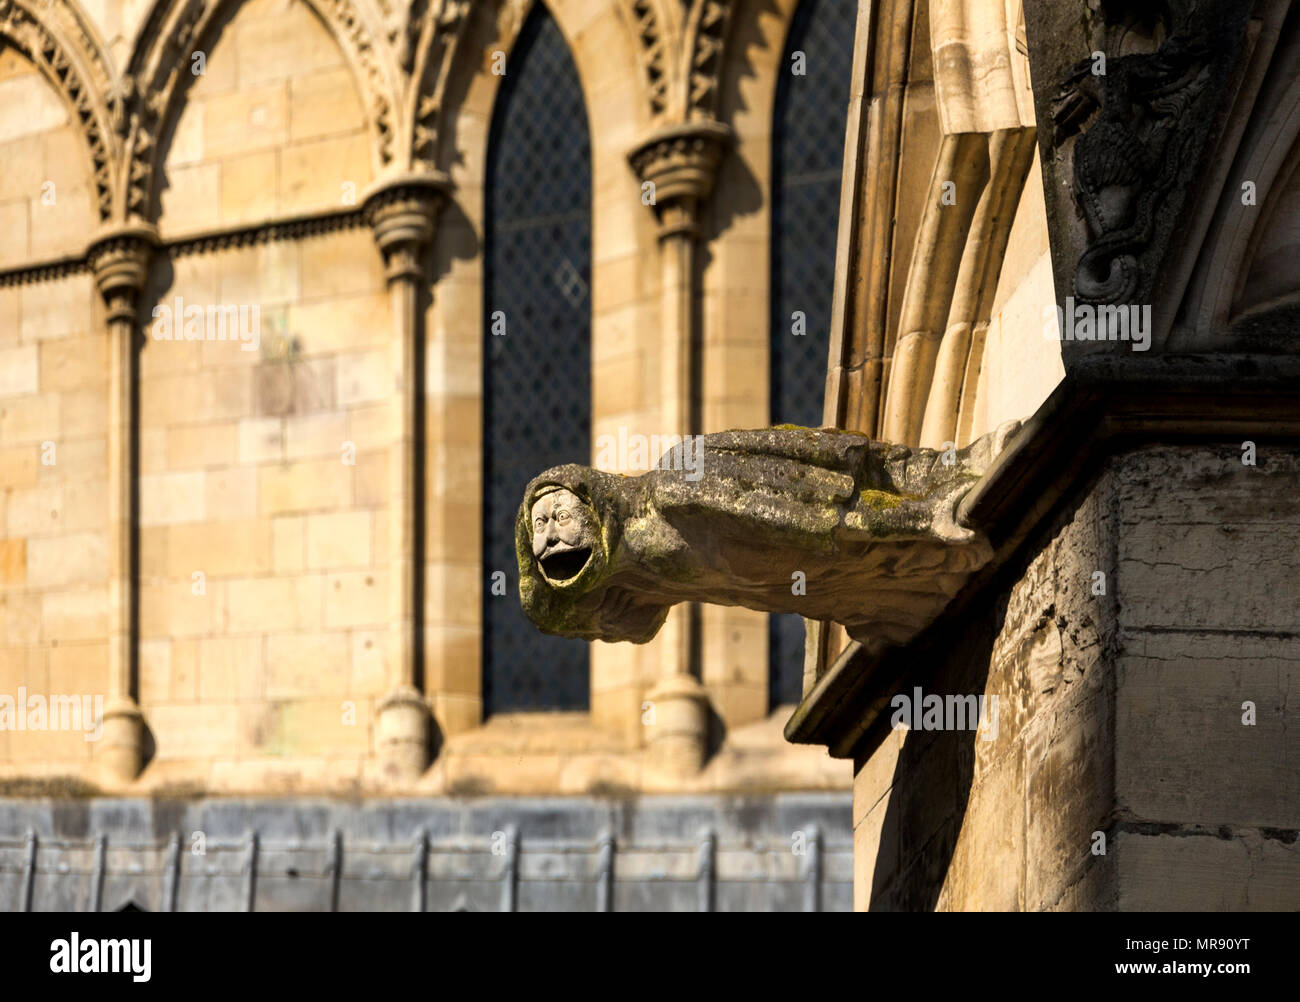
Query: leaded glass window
812	95
537	375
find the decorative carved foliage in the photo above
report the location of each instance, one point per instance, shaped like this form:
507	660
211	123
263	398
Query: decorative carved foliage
148	87
681	79
651	48
62	46
120	265
441	25
681	161
349	27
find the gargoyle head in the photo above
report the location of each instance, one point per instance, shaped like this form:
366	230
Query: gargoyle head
566	533
567	536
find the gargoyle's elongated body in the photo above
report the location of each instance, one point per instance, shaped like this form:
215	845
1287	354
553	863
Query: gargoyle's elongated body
826	524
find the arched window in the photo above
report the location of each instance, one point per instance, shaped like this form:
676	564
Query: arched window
812	95
537	357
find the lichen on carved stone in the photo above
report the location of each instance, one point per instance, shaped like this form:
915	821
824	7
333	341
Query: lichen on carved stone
827	524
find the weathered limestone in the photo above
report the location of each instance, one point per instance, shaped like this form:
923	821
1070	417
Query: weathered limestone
1121	724
827	524
1128	634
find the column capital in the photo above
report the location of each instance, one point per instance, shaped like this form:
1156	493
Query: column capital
401	211
119	256
681	161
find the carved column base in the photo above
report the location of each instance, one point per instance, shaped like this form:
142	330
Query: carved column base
402	732
121	745
677	741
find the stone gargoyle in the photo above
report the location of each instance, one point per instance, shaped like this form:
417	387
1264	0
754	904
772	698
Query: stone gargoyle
827	524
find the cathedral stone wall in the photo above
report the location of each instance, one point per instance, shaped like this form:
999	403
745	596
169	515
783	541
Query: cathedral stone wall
264	644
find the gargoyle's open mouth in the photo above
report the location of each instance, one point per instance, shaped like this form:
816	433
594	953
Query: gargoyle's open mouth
564	565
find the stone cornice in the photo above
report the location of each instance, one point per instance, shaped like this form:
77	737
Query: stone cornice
48	270
294	227
307	224
1104	405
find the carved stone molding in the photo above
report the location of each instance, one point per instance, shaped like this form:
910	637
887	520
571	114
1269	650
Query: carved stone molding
706	35
681	161
246	235
350	27
437	37
401	211
1104	406
652	50
45	271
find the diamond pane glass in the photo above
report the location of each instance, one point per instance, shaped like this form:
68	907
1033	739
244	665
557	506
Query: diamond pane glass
537	376
807	157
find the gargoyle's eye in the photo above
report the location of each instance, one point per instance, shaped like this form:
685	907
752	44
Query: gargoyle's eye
562	516
540	523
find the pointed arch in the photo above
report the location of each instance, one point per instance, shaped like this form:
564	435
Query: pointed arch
162	54
808	122
61	42
537	373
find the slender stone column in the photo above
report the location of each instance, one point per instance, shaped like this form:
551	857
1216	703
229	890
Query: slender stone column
401	211
681	163
120	258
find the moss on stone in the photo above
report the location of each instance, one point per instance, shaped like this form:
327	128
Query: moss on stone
881	500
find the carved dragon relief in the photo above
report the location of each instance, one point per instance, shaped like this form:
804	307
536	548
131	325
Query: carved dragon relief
68	53
827	524
1141	119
